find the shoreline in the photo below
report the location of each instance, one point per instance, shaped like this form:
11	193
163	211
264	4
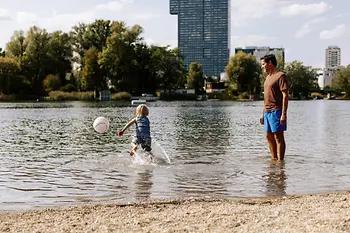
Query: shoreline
328	212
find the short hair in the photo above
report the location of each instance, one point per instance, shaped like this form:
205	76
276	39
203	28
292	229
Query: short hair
142	110
270	58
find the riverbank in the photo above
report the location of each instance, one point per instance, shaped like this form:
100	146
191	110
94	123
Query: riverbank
306	213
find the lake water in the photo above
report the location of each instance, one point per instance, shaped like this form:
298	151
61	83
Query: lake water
51	156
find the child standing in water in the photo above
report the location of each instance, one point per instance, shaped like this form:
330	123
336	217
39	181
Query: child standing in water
143	132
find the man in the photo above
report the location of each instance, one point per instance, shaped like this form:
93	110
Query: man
274	117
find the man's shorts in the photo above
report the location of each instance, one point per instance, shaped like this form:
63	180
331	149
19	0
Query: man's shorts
144	142
272	122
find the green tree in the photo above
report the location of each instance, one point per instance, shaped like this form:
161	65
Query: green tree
36	61
342	81
244	72
11	82
92	76
84	36
195	78
59	55
52	83
301	79
17	46
118	58
146	78
168	65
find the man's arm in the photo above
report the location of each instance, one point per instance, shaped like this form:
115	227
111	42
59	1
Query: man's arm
284	106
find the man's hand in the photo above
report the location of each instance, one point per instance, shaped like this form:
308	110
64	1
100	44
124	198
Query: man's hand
262	119
283	119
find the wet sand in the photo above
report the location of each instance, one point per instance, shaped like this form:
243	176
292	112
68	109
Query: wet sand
306	213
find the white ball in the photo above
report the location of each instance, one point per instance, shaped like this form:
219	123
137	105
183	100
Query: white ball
101	125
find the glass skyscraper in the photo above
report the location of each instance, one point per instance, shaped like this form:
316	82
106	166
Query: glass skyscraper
204	32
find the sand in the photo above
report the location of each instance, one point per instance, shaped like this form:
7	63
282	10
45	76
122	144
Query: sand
307	213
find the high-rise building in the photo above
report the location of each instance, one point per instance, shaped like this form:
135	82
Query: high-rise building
259	52
204	33
332	63
332	57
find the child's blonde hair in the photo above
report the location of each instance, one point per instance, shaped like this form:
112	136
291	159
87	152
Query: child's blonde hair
142	110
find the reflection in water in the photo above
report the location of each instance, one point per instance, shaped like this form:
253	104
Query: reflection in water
276	179
144	185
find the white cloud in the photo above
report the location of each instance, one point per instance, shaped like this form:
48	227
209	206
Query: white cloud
306	28
251	40
245	10
65	22
26	17
303	31
340	30
113	6
305	9
5	15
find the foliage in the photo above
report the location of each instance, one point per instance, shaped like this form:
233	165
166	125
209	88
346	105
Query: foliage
195	79
60	95
121	96
342	81
301	79
244	71
68	88
52	83
92	76
11	82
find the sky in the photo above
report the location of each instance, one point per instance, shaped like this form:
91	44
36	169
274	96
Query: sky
304	28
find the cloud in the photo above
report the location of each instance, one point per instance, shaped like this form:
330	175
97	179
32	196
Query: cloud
340	30
305	9
26	18
306	28
4	15
65	22
113	6
251	40
303	31
245	10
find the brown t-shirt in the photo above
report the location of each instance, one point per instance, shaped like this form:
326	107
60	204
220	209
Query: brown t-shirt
273	87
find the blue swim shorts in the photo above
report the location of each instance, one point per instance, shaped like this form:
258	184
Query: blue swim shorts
272	122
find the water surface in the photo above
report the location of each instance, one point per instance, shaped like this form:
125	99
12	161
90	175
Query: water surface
51	156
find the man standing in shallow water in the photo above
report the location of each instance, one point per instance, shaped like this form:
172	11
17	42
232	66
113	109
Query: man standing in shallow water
274	116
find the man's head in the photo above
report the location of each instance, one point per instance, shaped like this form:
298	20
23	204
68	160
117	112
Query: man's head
268	63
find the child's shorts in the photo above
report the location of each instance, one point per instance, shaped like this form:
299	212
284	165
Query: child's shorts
144	142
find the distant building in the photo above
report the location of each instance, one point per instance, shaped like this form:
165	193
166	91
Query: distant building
259	52
333	57
204	33
215	87
320	77
332	64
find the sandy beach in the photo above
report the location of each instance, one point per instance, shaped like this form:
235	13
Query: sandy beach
307	213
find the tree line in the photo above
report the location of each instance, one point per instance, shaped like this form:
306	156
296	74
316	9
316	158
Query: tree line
109	54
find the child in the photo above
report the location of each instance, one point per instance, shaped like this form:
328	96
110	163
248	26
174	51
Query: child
143	133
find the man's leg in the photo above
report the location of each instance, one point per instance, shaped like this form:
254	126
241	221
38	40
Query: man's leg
272	145
281	145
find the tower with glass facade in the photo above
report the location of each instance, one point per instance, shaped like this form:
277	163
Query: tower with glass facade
204	32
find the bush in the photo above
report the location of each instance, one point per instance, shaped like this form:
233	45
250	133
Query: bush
61	96
243	96
121	96
51	83
68	88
